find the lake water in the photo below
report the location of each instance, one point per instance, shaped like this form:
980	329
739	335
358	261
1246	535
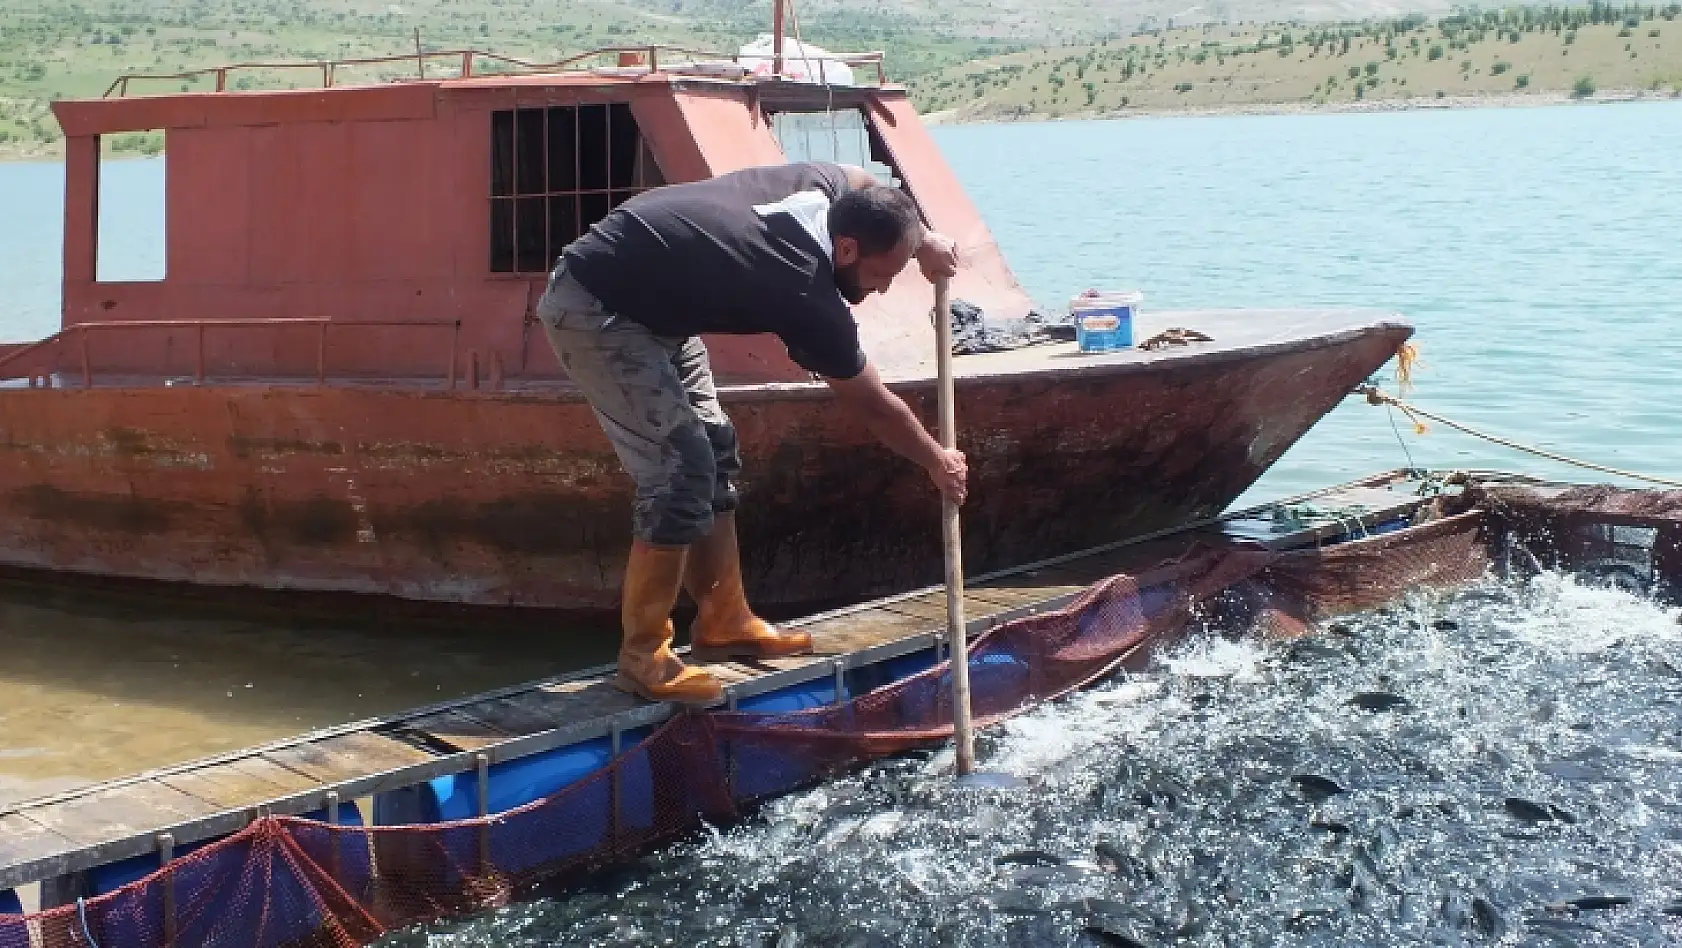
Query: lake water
1535	249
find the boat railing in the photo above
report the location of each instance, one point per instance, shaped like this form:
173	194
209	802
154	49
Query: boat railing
202	327
647	58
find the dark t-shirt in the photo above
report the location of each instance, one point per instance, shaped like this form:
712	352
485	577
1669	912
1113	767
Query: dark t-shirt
697	258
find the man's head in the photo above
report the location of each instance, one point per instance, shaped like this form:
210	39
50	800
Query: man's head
876	231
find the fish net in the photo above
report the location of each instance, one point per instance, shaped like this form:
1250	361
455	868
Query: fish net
290	882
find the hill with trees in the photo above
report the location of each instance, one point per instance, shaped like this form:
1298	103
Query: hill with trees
969	60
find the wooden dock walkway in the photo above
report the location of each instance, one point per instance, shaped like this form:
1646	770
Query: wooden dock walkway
54	838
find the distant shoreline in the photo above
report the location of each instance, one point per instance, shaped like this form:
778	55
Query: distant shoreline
1416	104
11	153
54	152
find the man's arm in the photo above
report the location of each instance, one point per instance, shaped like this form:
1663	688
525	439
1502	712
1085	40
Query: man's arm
894	424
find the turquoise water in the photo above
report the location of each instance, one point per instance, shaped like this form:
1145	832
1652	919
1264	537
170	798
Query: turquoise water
1535	249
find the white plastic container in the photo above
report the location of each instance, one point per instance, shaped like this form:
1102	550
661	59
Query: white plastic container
1104	321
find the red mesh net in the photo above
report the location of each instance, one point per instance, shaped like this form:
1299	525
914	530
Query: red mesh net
1590	527
294	882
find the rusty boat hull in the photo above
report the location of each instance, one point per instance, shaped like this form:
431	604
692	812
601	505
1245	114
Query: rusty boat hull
337	385
514	498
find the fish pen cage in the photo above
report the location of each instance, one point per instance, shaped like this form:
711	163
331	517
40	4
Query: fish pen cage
295	881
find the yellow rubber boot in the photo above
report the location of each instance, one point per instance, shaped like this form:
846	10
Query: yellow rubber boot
725	627
647	665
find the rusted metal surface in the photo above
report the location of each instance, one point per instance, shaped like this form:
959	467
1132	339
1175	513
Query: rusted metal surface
515	498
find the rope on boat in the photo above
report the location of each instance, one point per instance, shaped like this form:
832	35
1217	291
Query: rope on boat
1376	396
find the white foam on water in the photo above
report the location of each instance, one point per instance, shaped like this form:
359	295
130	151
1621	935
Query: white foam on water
1214	657
1567	615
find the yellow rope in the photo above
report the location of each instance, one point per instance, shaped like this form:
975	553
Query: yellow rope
1407	359
1377	397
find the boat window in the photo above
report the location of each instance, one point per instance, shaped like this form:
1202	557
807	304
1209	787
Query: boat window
129	242
842	135
554	172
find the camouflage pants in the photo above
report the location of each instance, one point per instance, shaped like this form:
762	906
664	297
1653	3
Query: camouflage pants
655	398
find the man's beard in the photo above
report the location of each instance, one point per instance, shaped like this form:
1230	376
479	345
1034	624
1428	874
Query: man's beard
847	282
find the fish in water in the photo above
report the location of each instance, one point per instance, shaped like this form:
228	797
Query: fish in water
1477	914
1530	812
1112	939
1323	822
1109	854
1017	902
1315	785
1048	875
1109	922
1597	903
1028	857
1486	918
1377	701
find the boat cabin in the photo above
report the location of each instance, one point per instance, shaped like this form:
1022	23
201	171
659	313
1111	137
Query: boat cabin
402	231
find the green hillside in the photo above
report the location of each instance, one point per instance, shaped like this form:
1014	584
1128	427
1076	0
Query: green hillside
53	49
1524	51
993	59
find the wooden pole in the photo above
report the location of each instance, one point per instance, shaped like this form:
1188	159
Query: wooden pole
952	538
777	39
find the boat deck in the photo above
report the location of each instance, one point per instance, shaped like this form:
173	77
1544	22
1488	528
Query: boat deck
1233	333
55	838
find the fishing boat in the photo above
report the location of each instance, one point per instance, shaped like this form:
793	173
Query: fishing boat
337	385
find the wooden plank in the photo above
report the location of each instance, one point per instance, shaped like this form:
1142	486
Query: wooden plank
730	673
120	812
794	661
458	730
23	840
978	605
270	772
239	784
513	716
573	701
348	757
861	630
922	607
1028	594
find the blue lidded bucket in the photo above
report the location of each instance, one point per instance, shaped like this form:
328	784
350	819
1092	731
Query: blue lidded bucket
1104	321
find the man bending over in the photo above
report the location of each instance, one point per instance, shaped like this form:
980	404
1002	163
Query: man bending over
782	249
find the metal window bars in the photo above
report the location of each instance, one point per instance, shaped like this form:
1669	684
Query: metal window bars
555	170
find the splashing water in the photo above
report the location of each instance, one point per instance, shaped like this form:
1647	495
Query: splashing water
1498	766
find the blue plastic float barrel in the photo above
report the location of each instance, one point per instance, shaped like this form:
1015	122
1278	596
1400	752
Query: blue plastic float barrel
14	931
